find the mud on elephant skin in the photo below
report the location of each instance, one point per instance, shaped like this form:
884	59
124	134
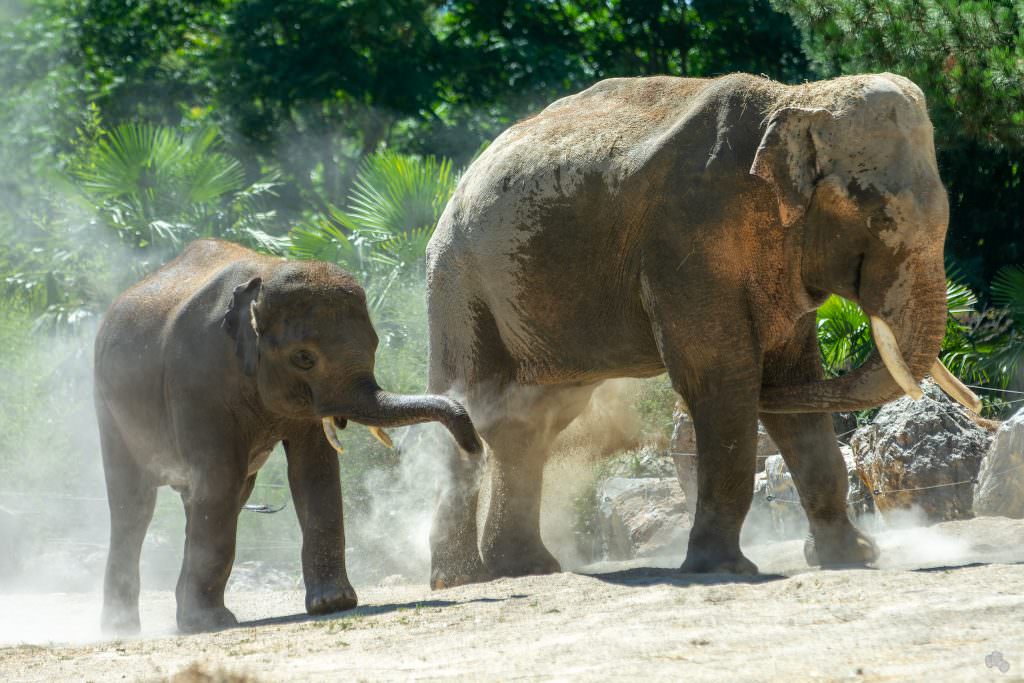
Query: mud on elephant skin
691	226
200	369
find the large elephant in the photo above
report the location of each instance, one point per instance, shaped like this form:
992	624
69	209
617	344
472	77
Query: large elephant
201	369
691	226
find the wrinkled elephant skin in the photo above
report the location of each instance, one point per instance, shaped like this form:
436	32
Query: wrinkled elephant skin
201	369
691	226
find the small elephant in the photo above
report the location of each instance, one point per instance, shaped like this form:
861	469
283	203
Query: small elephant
200	369
692	226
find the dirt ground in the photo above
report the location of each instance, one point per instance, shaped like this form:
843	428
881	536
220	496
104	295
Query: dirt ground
947	603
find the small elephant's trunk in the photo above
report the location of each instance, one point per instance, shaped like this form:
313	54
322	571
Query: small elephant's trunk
375	407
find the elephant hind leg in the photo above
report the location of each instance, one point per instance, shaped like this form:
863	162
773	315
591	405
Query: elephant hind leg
468	362
454	556
131	496
520	436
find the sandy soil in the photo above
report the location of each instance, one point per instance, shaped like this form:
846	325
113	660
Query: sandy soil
943	599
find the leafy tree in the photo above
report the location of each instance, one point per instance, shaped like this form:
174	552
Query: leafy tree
146	59
320	83
507	59
968	57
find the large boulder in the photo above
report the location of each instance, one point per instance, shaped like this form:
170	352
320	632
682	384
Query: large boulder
923	454
1000	489
775	511
641	517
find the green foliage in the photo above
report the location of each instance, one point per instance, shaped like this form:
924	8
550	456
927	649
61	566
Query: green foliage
148	59
395	203
844	335
980	347
155	187
968	57
1008	292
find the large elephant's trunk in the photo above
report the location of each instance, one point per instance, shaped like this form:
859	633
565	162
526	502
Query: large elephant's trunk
374	407
908	335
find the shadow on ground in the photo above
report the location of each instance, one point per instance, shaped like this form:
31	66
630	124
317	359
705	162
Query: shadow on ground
650	576
368	611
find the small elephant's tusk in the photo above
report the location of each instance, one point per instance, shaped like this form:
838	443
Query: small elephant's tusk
889	349
382	436
954	387
332	436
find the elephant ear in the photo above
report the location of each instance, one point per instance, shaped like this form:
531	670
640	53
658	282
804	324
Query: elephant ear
240	324
786	158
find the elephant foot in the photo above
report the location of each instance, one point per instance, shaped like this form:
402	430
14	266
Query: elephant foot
510	563
120	622
839	546
449	573
202	619
334	597
701	559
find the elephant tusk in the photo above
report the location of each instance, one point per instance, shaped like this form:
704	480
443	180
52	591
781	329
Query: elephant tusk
332	436
382	436
889	349
954	387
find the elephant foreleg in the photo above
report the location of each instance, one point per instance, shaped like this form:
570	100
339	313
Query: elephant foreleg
808	445
315	484
715	366
725	422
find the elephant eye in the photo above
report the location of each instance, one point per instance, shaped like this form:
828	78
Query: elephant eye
303	360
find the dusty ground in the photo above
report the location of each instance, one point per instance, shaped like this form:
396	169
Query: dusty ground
945	598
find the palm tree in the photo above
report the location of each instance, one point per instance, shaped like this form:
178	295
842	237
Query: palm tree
1008	293
980	347
156	187
382	235
149	188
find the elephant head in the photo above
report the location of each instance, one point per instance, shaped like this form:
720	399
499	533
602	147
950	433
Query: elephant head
861	181
302	331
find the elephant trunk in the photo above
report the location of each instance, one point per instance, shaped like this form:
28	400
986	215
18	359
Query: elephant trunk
374	407
908	333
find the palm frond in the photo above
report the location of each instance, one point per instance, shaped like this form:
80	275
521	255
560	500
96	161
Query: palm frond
323	241
127	161
395	193
1008	292
844	335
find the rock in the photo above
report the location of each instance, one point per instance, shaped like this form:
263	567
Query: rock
787	514
393	580
256	575
645	461
775	512
641	517
1000	488
922	453
858	495
683	449
844	425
